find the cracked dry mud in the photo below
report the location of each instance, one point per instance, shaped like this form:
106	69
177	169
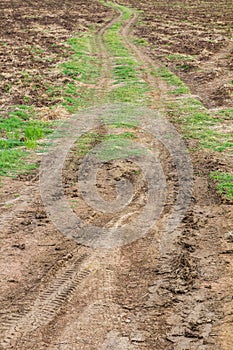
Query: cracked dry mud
170	292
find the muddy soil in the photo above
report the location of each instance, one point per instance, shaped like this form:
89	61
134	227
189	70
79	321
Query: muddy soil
162	291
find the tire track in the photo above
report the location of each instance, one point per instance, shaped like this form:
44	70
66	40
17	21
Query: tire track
108	278
159	87
48	303
105	80
107	266
174	261
67	281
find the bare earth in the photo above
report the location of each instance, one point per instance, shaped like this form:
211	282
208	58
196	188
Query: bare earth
160	292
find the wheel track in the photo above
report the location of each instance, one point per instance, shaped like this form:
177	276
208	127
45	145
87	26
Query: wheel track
69	280
148	245
66	282
169	251
47	303
104	83
158	87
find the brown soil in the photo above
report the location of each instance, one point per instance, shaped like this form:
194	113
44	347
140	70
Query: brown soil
170	292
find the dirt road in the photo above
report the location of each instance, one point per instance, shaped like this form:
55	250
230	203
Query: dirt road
165	290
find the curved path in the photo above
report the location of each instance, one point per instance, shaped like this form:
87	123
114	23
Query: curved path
145	295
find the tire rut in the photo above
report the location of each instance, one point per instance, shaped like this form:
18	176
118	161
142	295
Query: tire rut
158	87
47	304
187	322
66	282
105	80
165	296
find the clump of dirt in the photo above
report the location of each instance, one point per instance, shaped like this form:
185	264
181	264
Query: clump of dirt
223	95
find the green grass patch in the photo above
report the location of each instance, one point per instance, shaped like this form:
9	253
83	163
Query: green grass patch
224	183
173	80
14	161
125	69
178	57
197	123
141	41
129	87
16	132
226	113
113	146
83	67
130	93
119	147
86	142
18	135
125	135
122	116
